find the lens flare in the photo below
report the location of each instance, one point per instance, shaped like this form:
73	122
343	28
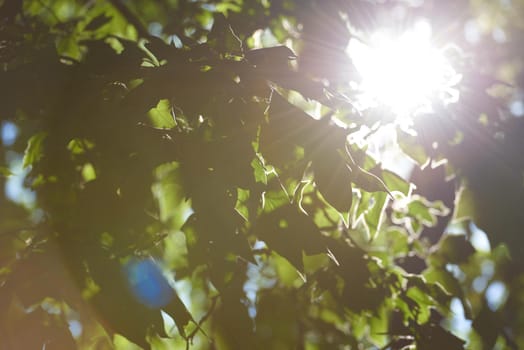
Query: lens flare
148	284
404	73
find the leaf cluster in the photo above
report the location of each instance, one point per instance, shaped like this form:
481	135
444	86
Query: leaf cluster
194	152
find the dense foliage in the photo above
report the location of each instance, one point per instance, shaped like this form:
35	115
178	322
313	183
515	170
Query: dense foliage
192	181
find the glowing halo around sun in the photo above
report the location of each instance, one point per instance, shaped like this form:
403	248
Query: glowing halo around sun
403	73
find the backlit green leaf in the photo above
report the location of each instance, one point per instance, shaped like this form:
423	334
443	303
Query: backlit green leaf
35	149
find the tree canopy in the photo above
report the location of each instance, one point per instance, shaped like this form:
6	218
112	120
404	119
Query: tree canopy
203	174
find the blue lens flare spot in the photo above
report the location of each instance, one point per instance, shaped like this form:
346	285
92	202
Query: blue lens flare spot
148	283
9	133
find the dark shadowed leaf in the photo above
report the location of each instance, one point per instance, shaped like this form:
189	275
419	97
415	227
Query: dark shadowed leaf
488	326
455	249
411	263
290	233
277	319
432	337
223	38
270	57
367	181
333	179
122	311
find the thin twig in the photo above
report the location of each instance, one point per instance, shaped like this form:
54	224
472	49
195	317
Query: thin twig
189	338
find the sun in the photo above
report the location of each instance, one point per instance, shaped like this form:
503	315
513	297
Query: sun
404	73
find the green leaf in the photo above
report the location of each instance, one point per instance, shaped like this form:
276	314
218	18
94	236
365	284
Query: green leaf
419	208
439	293
259	170
79	146
88	172
241	205
411	148
274	199
34	149
160	115
445	279
5	172
423	301
374	215
434	290
395	183
364	202
398	240
464	205
169	193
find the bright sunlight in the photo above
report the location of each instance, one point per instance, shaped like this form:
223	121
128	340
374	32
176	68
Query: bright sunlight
403	73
